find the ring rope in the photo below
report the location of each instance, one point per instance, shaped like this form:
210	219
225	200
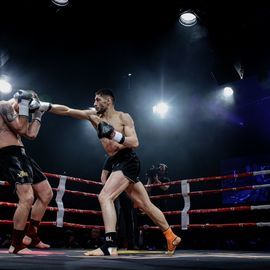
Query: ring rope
74	192
221	210
4	183
195	211
165	196
205	226
74	179
189	180
54	223
92	195
190	226
205	192
55	209
211	178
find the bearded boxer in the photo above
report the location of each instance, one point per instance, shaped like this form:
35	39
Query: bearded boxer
21	171
117	134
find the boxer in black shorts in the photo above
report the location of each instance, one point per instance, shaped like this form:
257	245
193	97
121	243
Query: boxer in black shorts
21	171
126	160
18	168
126	214
117	134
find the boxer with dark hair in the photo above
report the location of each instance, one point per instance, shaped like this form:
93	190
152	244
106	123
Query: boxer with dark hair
117	134
21	171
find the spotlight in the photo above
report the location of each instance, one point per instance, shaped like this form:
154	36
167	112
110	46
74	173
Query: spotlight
60	3
228	91
188	18
161	109
5	86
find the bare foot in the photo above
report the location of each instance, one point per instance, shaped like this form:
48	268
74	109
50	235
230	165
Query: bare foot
99	252
42	245
28	241
172	245
19	250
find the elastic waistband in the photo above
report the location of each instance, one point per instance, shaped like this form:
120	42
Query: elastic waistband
123	152
12	149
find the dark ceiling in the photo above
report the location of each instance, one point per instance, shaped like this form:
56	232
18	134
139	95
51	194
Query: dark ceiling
238	34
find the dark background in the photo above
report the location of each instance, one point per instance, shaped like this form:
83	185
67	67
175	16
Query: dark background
66	54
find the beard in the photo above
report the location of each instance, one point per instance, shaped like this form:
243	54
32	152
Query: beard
100	110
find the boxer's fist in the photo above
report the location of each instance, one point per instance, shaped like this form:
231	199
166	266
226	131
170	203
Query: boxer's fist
36	104
40	108
45	106
105	130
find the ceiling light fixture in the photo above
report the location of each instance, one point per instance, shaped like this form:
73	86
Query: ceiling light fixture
60	3
188	18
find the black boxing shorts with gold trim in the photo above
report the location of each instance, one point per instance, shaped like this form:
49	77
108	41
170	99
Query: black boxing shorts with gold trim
17	167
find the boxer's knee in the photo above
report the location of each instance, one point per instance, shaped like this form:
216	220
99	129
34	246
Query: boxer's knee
46	196
26	201
104	198
49	195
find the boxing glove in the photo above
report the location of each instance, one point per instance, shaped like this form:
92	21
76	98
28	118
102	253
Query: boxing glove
45	106
24	97
105	130
36	104
42	108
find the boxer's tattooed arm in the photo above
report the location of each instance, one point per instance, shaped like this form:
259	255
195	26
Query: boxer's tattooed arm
7	112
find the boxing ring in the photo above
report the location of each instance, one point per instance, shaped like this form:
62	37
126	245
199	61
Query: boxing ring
149	259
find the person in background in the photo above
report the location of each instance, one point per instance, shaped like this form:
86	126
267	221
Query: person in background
158	175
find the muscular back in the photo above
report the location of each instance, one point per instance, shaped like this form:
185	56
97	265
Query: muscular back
7	135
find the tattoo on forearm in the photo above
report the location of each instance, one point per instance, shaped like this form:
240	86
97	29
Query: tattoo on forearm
7	112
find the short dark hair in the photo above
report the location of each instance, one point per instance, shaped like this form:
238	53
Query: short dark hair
106	92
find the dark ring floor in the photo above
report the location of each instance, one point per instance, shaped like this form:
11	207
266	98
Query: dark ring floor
58	259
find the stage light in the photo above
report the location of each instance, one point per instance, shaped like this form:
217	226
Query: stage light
5	86
60	3
188	18
161	109
227	91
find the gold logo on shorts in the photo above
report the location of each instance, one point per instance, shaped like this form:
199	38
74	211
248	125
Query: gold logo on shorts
22	174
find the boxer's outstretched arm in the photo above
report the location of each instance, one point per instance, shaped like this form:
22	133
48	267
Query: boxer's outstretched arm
75	113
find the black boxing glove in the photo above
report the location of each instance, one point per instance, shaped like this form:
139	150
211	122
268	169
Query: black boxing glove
105	130
24	97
